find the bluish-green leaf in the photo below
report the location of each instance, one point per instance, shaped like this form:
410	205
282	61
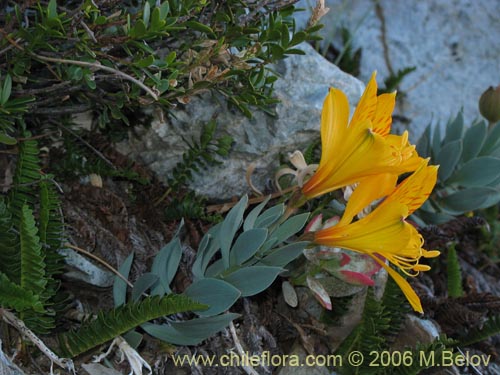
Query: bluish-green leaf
218	294
470	199
252	216
473	141
133	338
253	280
190	332
119	285
492	140
52	9
284	255
247	244
290	227
165	266
209	245
269	216
215	269
477	172
146	14
143	283
436	141
455	129
448	158
229	227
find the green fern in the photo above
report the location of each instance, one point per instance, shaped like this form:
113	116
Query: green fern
26	177
489	328
10	260
454	279
380	323
122	319
12	296
32	263
424	356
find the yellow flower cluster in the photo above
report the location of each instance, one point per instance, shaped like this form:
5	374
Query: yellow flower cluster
361	152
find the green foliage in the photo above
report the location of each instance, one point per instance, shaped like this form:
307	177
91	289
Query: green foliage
108	325
237	257
117	58
380	323
454	274
469	172
393	81
11	110
489	328
75	159
31	224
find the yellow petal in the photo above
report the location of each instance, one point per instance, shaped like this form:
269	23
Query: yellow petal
382	118
334	120
369	189
416	188
382	231
367	105
408	291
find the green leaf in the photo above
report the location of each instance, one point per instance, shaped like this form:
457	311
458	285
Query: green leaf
119	285
470	199
492	140
133	338
190	332
12	296
455	129
52	9
218	294
7	139
250	219
6	90
436	141
454	274
270	216
473	141
253	280
448	158
122	319
195	25
146	14
209	245
423	143
247	244
143	283
165	266
145	62
284	255
290	227
32	263
139	30
229	227
477	172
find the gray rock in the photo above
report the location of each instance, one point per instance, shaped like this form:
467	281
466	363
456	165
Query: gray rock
453	44
301	89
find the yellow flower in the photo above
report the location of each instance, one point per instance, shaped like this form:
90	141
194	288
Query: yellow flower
385	233
361	148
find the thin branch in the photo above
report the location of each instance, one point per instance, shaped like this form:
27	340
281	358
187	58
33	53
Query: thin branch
14	321
96	151
98	66
248	369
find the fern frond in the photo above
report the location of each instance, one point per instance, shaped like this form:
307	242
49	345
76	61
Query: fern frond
489	328
26	175
454	279
424	356
12	296
395	308
10	259
32	263
122	319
